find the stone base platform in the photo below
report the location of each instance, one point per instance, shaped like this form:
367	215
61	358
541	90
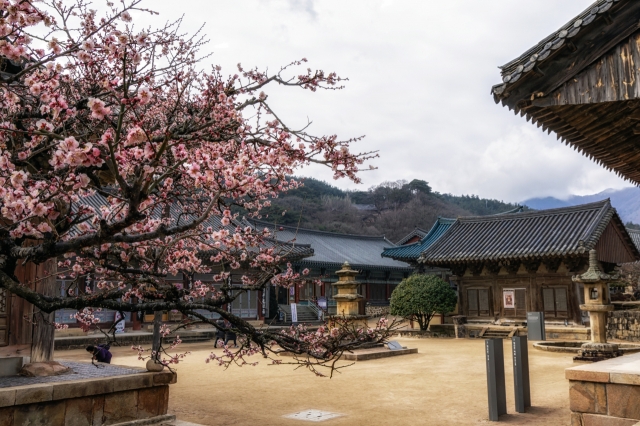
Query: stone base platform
605	393
594	352
376	353
89	396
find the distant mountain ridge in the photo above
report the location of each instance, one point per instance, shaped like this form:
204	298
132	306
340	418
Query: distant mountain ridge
626	201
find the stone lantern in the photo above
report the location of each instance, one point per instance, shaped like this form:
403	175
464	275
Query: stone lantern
598	304
346	295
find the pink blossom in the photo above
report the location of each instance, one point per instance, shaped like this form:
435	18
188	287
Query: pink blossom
135	136
98	109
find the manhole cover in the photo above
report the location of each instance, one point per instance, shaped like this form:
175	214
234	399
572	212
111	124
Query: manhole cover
313	415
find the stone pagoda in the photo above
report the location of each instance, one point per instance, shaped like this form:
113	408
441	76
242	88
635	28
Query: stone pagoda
346	295
598	304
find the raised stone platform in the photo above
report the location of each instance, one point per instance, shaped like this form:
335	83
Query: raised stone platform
376	353
605	393
92	396
575	346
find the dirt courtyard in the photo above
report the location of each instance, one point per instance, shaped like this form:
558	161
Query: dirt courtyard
444	384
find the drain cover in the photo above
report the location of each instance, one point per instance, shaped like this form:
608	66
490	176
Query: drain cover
313	415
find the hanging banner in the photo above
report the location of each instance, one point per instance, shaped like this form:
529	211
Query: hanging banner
509	299
294	312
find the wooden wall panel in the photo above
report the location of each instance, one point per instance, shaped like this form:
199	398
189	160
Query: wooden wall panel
611	246
613	77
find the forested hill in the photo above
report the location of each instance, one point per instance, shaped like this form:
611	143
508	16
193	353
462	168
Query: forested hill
392	209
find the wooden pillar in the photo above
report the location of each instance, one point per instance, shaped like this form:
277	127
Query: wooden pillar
260	304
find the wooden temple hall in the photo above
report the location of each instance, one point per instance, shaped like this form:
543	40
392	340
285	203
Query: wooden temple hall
508	265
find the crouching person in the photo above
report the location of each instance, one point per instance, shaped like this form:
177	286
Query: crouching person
100	353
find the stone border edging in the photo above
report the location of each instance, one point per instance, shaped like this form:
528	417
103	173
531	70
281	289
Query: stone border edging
55	391
151	421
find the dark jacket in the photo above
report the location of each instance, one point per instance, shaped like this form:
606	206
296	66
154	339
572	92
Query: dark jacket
220	331
102	354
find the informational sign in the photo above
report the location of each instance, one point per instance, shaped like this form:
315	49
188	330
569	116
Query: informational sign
509	299
535	326
496	388
322	302
294	312
521	386
119	324
394	346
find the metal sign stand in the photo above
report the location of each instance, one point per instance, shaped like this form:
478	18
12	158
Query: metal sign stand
496	388
521	387
535	326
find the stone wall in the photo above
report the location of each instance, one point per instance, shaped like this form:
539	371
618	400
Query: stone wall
376	311
94	402
435	331
624	325
605	393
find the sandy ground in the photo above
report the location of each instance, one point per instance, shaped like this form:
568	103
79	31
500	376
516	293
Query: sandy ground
444	384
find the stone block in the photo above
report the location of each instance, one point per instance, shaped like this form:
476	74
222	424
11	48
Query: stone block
597	420
7	397
150	402
10	366
120	407
46	414
576	419
34	394
625	379
132	381
623	400
98	410
82	388
586	375
79	412
164	378
587	397
165	402
6	416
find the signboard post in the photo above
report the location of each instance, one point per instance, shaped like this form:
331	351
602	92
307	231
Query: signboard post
535	326
521	387
496	388
294	312
119	324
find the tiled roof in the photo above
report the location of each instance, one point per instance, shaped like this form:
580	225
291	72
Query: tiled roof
411	252
332	249
291	252
536	234
581	83
635	236
530	61
417	232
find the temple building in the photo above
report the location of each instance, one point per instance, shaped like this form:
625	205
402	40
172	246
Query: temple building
412	245
378	275
508	265
583	83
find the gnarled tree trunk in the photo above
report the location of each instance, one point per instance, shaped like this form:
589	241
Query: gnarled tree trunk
43	333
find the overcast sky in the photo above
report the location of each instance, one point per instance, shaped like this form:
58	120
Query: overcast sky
420	75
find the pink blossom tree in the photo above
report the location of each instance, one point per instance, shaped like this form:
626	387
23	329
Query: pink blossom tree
93	108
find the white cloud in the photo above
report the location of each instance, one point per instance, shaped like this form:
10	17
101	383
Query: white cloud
420	74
